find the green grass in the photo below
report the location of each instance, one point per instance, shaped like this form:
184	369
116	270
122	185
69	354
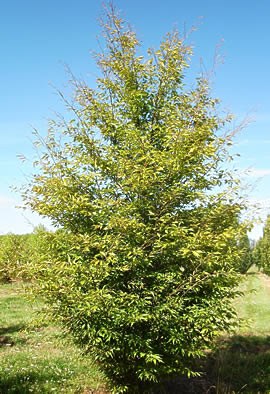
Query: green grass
241	363
36	358
254	307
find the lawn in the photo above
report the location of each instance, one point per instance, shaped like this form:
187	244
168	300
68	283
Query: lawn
255	305
35	357
241	363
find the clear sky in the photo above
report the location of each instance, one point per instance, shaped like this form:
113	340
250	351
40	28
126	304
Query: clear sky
37	38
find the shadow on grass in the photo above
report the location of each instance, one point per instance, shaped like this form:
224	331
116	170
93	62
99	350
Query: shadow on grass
11	329
8	336
52	376
27	382
240	364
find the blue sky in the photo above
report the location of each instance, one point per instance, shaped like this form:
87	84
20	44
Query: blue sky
38	38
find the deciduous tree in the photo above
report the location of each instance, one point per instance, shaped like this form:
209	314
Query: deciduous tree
262	249
146	264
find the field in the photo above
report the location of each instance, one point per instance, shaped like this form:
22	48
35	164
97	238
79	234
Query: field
241	363
35	357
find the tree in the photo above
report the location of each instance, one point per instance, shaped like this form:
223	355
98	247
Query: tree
14	257
145	264
262	249
247	254
20	252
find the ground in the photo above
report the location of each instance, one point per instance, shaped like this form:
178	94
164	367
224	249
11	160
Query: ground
35	356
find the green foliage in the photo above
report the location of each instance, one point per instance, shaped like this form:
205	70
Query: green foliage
14	257
20	253
145	264
261	252
247	259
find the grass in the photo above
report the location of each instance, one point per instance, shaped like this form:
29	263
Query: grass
36	358
241	363
254	307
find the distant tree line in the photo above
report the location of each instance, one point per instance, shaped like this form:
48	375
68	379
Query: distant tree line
23	255
261	253
19	253
26	257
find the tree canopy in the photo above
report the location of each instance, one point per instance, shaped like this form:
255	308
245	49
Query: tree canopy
262	249
145	265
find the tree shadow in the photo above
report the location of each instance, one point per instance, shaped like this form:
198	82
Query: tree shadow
7	337
11	329
240	364
25	382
